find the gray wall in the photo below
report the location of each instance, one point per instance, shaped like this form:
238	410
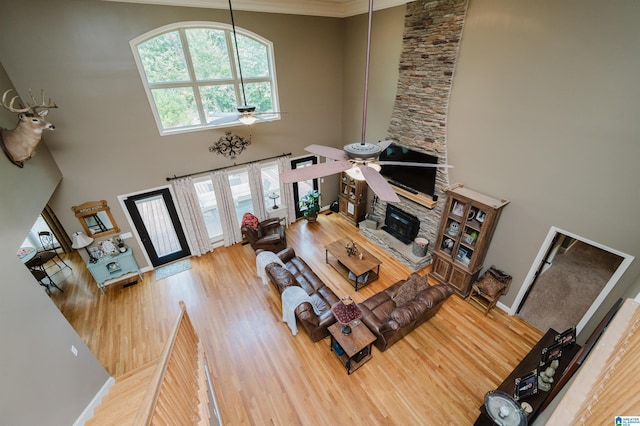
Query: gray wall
42	381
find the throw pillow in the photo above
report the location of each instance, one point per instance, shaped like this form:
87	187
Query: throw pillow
250	220
490	286
406	292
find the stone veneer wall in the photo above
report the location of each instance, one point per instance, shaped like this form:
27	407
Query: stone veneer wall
430	48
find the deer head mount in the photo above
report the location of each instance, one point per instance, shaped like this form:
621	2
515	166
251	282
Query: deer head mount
19	144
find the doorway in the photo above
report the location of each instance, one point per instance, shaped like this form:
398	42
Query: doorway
300	189
569	279
156	221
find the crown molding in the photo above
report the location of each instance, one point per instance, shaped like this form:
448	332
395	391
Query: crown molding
328	8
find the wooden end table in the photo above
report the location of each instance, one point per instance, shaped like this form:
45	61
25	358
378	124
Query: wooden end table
354	349
361	268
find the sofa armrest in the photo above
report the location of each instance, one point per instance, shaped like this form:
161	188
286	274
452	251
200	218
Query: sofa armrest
287	254
305	312
433	295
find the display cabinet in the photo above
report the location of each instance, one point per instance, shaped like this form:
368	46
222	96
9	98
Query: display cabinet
353	198
468	222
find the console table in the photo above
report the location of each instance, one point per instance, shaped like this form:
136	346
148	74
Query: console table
110	267
529	362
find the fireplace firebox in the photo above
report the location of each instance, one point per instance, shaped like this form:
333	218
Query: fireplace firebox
402	225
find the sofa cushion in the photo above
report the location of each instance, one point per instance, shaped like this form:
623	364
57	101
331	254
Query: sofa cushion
433	295
408	291
280	276
408	313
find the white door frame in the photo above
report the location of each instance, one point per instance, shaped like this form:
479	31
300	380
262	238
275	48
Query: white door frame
626	261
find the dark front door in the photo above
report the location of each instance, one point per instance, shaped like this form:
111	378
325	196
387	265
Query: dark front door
300	189
155	217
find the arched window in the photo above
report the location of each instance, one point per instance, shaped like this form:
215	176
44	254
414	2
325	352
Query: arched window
191	75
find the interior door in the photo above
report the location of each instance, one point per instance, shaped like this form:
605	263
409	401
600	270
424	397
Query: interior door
155	217
300	189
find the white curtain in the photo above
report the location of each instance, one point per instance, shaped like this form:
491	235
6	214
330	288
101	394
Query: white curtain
228	219
194	226
286	189
257	193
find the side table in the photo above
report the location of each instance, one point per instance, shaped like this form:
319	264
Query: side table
352	350
109	267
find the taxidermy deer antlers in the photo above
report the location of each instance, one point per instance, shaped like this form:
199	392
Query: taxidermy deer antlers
19	144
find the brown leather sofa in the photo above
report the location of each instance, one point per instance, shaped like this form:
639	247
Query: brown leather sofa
390	321
297	272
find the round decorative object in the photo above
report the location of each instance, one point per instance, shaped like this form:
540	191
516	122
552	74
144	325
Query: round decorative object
504	410
346	330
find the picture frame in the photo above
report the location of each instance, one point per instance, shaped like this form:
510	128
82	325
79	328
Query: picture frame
526	386
567	337
551	352
458	208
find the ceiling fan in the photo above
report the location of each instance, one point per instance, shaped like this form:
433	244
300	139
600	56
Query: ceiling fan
359	160
246	113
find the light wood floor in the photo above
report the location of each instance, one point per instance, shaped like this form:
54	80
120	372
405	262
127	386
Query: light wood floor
262	374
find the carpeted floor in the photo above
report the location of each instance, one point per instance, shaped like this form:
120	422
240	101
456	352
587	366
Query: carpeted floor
562	295
172	269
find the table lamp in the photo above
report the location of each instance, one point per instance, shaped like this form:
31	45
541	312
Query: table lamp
81	240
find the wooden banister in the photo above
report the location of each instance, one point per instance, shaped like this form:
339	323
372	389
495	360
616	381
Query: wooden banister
179	403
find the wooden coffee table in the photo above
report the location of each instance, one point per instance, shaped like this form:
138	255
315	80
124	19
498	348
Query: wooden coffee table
352	350
364	270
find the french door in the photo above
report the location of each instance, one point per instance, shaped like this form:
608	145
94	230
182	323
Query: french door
300	189
155	218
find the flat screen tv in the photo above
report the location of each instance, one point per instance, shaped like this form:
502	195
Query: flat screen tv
420	179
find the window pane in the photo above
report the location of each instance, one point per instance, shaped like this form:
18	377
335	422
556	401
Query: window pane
239	182
209	207
253	57
259	94
271	184
163	59
176	107
217	99
209	53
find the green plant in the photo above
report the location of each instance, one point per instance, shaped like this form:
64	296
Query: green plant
310	203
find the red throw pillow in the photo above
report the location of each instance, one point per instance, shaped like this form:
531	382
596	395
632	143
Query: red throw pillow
250	220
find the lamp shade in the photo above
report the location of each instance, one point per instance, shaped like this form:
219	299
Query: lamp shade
80	240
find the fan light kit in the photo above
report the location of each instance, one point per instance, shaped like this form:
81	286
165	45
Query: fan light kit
358	160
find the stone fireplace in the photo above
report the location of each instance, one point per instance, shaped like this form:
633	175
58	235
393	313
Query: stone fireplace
400	224
431	39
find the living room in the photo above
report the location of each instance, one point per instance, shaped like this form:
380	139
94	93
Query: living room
540	114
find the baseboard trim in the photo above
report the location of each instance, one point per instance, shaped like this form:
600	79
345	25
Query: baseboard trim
87	413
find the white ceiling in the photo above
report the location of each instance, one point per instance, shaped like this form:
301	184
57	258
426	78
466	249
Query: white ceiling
330	8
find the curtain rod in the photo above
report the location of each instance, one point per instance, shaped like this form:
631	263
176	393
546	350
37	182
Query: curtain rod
169	179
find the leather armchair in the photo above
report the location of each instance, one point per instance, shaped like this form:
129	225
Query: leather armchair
269	236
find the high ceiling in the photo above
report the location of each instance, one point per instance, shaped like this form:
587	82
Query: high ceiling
330	8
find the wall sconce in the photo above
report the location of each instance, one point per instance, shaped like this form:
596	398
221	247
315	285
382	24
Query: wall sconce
230	145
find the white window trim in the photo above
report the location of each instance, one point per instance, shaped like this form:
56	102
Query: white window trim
206	24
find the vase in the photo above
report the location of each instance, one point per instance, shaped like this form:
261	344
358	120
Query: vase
311	218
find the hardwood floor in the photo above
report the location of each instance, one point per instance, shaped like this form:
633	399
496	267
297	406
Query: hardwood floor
262	374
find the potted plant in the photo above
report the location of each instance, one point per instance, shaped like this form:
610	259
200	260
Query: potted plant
310	205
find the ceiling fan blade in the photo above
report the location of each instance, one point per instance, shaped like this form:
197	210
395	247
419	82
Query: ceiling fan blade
384	144
408	163
327	151
234	116
315	171
379	185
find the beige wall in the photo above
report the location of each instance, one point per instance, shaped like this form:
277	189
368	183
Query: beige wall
42	381
544	112
107	143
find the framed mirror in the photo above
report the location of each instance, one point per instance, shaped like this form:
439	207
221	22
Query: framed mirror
95	218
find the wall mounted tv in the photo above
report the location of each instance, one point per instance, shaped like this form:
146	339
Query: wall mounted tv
411	178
